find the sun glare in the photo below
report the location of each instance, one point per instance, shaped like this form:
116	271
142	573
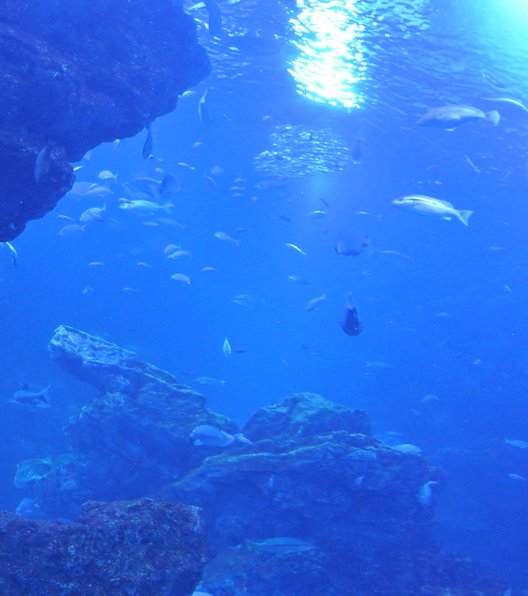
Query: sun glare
330	61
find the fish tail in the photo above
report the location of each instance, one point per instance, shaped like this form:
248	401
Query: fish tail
464	215
493	117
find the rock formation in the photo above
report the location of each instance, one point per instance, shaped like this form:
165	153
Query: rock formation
75	75
134	547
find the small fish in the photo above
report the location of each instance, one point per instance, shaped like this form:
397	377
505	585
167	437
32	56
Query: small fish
350	244
29	395
408	449
281	545
299	280
226	238
317	214
148	145
449	117
495	82
206	435
169	221
93	214
425	494
144	207
247	301
517	443
71	230
380	364
226	348
516	477
424	205
98	190
395	253
130	291
351	323
170	248
143	264
207	269
203	112
209	381
471	164
296	248
65	218
12	251
315	302
357	151
42	163
107	175
181	277
179	253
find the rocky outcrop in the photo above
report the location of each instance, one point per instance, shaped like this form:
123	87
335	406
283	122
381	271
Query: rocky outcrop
134	547
305	501
75	75
126	443
301	478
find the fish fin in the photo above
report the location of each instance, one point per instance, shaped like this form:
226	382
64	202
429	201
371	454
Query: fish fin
464	215
494	117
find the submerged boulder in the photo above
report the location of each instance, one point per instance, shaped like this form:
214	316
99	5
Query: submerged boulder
324	483
134	547
127	442
75	75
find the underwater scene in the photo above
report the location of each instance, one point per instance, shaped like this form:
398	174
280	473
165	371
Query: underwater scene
263	275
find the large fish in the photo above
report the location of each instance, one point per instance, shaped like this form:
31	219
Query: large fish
424	205
28	395
449	117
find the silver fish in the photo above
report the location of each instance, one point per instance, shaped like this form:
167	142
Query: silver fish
148	145
29	395
281	544
315	302
449	117
424	205
212	436
226	348
209	381
12	250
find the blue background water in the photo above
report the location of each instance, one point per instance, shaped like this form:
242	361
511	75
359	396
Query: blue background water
447	318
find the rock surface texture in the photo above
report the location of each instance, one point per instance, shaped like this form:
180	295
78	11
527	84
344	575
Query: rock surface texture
127	547
75	75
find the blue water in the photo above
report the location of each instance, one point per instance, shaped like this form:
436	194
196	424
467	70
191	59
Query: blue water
444	311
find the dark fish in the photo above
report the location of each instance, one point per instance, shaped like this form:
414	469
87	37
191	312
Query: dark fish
42	163
357	151
148	144
350	244
215	18
351	324
169	184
